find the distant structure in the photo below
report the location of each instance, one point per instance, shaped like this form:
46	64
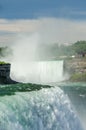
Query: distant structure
83	54
5	74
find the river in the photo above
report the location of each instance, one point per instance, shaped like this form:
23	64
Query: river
61	107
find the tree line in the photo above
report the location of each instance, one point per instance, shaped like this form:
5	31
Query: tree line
57	50
50	51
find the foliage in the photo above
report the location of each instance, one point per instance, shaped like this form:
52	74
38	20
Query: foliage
78	77
2	63
20	87
5	51
52	51
80	47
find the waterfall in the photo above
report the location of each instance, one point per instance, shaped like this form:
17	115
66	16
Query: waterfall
38	72
47	109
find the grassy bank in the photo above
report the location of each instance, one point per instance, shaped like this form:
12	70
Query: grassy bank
81	77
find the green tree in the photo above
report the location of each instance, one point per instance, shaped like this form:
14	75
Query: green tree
80	47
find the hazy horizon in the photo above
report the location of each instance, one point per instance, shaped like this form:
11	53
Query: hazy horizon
53	21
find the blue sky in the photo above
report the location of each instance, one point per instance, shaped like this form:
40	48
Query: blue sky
30	9
62	21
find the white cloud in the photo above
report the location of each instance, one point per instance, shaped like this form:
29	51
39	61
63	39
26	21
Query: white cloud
78	13
49	29
18	25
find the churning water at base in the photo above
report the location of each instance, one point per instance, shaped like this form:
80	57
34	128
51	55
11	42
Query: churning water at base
38	71
47	109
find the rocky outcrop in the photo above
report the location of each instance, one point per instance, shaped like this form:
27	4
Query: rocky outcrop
5	74
76	69
76	65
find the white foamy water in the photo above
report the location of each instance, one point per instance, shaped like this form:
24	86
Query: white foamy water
47	109
38	71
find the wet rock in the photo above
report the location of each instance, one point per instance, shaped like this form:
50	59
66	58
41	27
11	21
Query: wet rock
5	74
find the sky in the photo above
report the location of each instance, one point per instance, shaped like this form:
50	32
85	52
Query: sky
61	21
30	9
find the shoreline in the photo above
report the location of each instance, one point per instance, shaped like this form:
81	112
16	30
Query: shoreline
76	68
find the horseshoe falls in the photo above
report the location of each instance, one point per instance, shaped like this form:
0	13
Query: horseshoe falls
38	71
47	109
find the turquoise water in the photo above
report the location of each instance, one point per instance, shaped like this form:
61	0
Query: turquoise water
77	95
44	109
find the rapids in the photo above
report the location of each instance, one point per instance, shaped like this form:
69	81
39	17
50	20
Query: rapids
47	109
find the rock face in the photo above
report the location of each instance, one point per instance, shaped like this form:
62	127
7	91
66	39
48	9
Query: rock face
76	69
5	74
76	65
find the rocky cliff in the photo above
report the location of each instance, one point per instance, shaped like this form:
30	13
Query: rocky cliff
5	74
76	67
